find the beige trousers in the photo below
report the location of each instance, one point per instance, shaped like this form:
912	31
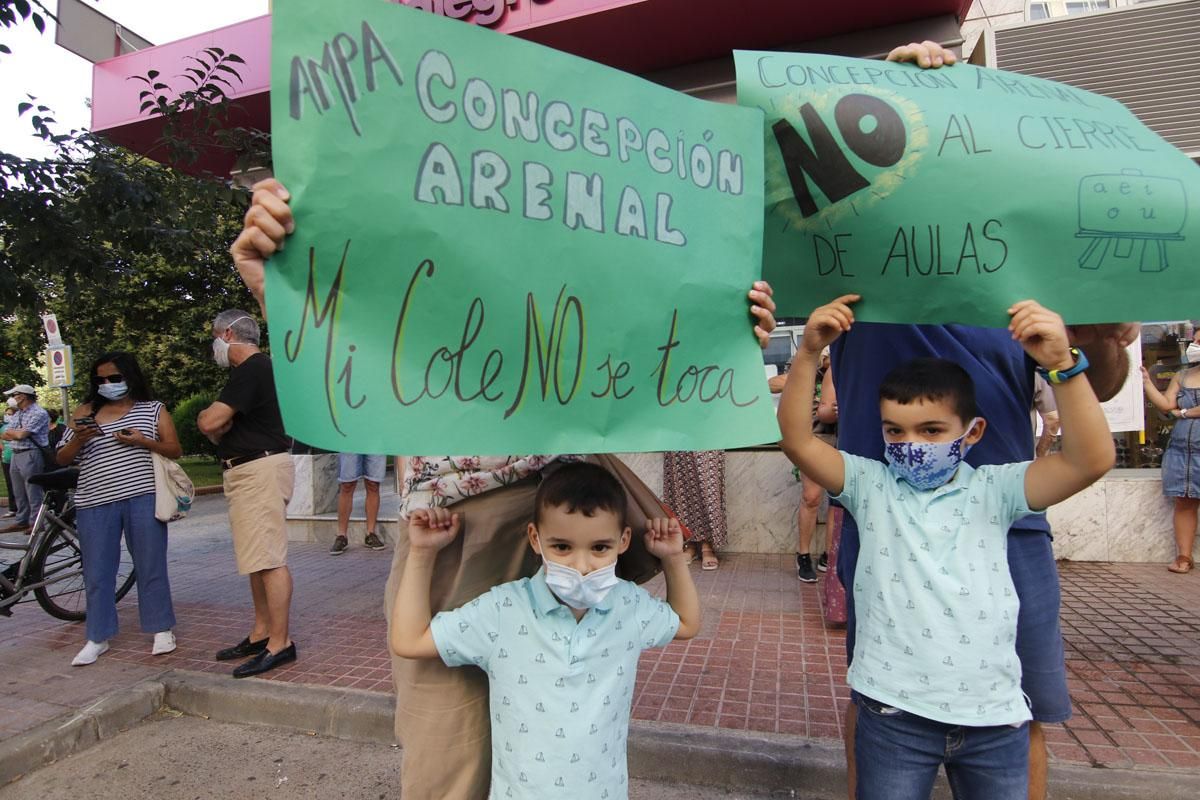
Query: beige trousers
258	493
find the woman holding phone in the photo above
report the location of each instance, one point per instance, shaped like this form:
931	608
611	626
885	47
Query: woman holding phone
112	435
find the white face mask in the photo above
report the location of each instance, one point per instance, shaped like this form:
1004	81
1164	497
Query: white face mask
113	391
578	590
1193	353
221	347
221	352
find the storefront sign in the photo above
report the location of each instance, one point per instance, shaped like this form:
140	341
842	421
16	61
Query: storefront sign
481	12
946	195
502	249
513	15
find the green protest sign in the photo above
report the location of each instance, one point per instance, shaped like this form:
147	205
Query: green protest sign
501	248
945	195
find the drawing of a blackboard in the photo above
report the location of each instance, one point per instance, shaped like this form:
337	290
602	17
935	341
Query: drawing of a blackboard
1129	218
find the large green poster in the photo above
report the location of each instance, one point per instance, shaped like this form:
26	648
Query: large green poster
945	195
501	248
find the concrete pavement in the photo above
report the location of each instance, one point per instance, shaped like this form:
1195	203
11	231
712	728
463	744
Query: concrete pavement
176	756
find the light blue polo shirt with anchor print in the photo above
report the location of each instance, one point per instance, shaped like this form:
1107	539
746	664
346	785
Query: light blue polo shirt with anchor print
937	611
560	690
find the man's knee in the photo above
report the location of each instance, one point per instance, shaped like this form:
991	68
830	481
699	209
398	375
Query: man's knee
348	488
372	486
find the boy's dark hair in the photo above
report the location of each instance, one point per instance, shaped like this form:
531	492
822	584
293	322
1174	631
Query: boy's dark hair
581	487
932	379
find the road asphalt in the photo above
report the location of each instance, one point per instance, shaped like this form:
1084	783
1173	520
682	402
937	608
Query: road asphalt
172	756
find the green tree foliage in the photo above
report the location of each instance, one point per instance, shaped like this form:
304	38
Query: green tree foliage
16	366
193	442
13	12
196	109
130	254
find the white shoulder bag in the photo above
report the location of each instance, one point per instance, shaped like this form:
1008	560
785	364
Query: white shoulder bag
173	489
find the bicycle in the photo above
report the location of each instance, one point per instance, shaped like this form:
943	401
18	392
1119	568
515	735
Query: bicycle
51	566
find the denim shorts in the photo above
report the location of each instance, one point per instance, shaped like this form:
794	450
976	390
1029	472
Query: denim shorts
352	466
1039	637
897	755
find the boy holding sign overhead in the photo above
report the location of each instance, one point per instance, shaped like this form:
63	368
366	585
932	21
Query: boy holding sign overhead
935	652
1004	379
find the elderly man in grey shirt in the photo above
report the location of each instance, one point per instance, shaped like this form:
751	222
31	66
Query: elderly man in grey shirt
29	432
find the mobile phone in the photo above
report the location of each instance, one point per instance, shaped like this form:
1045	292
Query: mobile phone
126	431
85	421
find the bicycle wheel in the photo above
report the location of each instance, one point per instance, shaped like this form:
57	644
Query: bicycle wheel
58	560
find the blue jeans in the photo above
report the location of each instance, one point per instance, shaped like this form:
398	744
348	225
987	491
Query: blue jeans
100	529
897	755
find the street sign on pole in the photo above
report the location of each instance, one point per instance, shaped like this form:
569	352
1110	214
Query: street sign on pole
60	369
53	332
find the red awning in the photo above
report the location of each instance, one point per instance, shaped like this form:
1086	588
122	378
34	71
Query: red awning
657	34
637	37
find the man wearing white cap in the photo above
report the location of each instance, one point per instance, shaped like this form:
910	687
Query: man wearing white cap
29	432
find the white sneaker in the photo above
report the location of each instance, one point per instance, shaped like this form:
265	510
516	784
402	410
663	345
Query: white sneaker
90	652
164	642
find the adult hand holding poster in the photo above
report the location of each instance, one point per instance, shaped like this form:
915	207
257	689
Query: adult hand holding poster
501	248
946	195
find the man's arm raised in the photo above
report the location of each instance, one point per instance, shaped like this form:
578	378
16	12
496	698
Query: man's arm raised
264	228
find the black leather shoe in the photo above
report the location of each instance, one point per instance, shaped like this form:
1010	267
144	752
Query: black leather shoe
242	649
266	660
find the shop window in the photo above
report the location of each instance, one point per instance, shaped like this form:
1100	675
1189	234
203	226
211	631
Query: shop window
1085	7
780	349
1163	353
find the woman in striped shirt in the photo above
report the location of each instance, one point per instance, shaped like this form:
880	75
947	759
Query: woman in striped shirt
112	435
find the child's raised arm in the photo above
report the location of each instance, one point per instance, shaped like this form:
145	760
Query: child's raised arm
1087	446
815	458
429	530
664	540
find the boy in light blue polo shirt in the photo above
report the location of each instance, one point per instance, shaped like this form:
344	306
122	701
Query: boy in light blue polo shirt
935	672
561	648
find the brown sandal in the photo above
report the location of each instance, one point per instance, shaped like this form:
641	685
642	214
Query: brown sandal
1181	565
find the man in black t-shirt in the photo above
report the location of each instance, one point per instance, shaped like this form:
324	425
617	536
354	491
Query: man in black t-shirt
246	426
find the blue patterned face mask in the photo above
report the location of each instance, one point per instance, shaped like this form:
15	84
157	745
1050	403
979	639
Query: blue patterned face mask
926	465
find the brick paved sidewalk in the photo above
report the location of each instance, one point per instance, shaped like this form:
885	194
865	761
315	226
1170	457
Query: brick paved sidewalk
763	661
